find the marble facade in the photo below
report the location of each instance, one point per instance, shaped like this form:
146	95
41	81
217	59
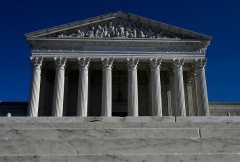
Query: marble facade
118	64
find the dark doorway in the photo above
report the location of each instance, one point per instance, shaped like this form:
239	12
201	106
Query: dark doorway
119	114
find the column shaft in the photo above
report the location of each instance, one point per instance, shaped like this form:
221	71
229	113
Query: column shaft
42	91
82	106
202	87
65	102
194	94
107	64
33	101
189	95
172	89
169	98
132	87
59	87
156	87
179	87
149	94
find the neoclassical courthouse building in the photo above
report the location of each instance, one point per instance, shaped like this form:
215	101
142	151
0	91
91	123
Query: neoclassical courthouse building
135	90
120	64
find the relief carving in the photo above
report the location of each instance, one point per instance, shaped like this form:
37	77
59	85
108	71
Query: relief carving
178	64
119	29
200	64
132	63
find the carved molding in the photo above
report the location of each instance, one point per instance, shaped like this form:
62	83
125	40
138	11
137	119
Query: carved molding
200	64
132	63
178	64
155	63
110	45
83	62
107	63
36	62
60	62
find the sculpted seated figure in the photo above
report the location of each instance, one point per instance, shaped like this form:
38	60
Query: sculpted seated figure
90	33
129	31
111	31
99	32
121	29
150	34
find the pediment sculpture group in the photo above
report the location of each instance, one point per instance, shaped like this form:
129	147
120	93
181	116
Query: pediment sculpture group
118	31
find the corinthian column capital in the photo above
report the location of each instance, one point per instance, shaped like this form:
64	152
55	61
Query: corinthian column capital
132	63
107	63
83	62
178	64
36	62
200	64
60	62
155	63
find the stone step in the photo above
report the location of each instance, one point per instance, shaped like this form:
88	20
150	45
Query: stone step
220	132
109	125
118	146
188	119
100	133
88	119
116	122
194	157
119	133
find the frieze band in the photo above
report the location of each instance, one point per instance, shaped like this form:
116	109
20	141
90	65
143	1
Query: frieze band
130	49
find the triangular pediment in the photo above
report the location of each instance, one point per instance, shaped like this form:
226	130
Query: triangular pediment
117	25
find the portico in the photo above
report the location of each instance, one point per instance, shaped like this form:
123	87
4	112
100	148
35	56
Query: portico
130	67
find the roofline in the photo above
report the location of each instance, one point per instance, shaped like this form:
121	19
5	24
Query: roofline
114	15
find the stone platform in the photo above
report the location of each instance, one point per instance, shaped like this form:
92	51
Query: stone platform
130	139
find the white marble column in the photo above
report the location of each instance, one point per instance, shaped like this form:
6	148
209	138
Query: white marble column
202	87
33	101
43	86
169	97
189	94
65	102
132	86
171	76
82	105
149	93
107	64
194	92
170	92
179	87
58	95
155	65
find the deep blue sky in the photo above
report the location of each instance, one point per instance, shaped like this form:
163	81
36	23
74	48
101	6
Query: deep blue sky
217	18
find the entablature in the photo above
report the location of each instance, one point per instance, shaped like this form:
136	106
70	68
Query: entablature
119	45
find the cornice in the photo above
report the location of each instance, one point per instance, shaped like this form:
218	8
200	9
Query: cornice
88	39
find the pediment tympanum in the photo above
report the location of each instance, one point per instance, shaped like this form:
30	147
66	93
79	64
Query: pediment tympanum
118	25
118	28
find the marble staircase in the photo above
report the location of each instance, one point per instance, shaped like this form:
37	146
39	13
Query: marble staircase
116	139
